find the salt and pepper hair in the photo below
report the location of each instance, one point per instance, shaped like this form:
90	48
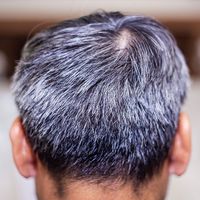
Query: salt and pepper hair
100	96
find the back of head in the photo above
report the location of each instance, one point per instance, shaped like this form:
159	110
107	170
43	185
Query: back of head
100	97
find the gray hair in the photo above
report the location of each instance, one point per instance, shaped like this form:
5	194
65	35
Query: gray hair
100	96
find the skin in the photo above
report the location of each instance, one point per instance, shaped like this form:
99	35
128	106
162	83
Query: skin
76	190
29	165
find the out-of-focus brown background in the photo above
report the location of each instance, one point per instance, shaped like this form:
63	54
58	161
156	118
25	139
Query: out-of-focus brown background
20	19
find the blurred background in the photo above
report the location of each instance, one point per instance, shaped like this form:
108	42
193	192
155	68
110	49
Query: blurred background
20	19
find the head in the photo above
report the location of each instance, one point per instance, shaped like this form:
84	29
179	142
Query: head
99	102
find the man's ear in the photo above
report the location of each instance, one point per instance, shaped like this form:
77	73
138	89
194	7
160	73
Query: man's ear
181	147
23	155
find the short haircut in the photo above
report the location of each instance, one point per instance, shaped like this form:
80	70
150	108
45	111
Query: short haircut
99	96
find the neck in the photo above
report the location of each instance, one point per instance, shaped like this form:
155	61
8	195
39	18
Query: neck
78	190
47	189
